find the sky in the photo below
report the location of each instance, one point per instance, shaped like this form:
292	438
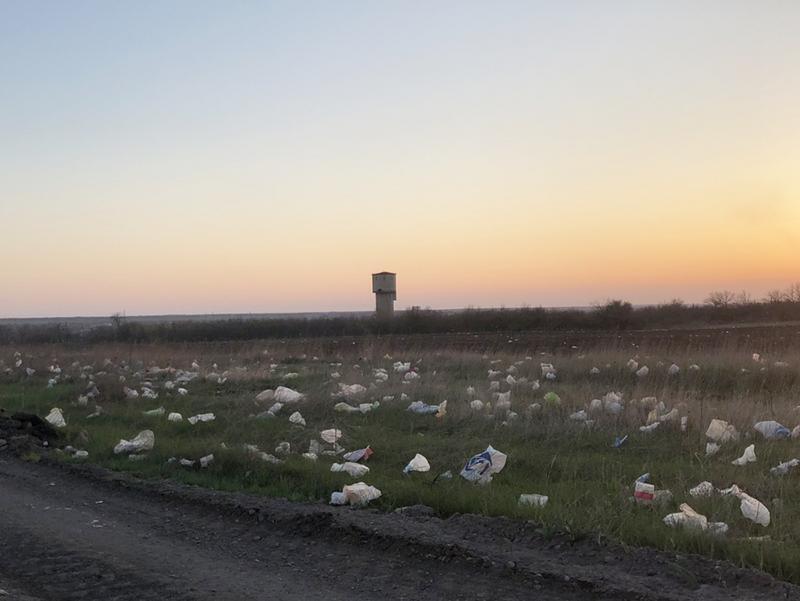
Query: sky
216	157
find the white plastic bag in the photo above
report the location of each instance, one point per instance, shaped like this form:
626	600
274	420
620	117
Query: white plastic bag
56	418
287	395
297	419
360	493
418	464
144	441
687	518
720	431
481	467
533	500
356	470
749	456
175	417
202	417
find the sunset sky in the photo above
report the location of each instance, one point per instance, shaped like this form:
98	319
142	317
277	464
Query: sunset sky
198	157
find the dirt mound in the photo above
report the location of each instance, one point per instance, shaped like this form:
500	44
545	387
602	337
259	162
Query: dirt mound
25	432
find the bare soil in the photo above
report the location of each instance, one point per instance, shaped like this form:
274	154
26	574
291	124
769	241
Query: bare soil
81	532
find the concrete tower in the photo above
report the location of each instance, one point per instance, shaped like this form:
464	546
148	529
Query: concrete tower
384	285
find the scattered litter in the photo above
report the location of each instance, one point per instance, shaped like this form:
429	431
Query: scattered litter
644	493
619	441
704	489
266	396
749	456
202	417
206	460
783	468
534	500
355	494
154	412
350	391
358	455
283	448
712	448
772	430
297	419
175	417
481	467
143	441
687	518
330	436
56	418
418	464
720	431
356	470
753	509
287	395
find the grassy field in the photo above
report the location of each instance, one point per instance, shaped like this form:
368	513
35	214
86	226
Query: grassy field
588	481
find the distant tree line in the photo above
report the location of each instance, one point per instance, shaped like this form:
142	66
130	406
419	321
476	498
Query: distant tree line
721	307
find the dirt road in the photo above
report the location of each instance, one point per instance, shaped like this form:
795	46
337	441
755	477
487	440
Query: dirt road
83	533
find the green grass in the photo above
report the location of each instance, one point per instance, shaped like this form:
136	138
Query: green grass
589	482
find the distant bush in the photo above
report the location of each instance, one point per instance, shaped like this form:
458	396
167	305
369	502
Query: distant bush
721	308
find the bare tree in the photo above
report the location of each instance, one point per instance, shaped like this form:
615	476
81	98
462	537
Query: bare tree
793	293
775	296
744	298
721	298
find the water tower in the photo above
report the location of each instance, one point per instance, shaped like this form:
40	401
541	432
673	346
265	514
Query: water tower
384	285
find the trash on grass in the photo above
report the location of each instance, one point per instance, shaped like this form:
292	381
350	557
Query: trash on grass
481	467
749	456
418	464
534	500
56	418
143	441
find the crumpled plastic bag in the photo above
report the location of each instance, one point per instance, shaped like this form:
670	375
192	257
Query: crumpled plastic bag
355	494
749	456
350	391
175	417
358	455
287	395
418	464
426	409
720	431
356	470
687	518
55	418
297	419
704	489
331	435
533	500
772	430
753	509
783	468
202	417
144	441
481	467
